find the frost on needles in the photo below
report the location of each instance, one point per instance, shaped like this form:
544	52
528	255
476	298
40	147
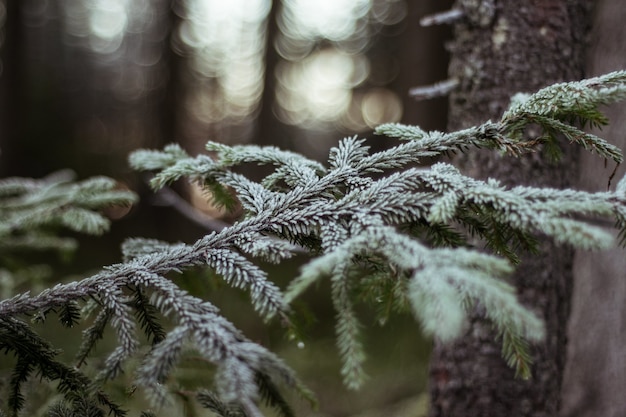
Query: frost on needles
383	231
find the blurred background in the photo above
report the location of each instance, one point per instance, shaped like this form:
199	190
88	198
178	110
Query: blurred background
85	82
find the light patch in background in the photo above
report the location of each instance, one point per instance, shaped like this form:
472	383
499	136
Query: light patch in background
107	21
324	79
224	42
381	105
335	20
126	37
122	45
318	88
388	12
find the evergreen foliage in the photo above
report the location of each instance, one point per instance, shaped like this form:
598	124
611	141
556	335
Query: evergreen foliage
32	211
386	233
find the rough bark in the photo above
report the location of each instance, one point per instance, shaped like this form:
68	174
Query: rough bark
595	374
503	47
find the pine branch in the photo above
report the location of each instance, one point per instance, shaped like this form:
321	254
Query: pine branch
146	314
420	234
212	402
34	353
28	204
91	336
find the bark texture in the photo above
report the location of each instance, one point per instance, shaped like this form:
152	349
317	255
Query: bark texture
595	374
503	47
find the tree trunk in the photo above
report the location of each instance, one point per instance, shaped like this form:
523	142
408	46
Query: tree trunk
595	375
269	130
416	45
10	83
170	101
500	48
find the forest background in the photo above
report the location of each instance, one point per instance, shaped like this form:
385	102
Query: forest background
82	84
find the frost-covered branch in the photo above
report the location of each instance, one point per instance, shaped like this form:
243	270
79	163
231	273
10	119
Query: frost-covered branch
431	240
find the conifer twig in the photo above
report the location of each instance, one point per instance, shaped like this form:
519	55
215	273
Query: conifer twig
443	18
440	89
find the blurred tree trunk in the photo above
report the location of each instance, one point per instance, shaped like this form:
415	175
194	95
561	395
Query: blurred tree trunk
595	375
269	130
415	46
500	48
171	100
10	83
34	110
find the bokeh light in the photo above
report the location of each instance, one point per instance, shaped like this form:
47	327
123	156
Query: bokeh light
126	37
325	74
225	46
322	48
381	105
318	88
335	20
107	24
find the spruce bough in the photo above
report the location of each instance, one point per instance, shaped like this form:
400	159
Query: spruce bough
381	229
